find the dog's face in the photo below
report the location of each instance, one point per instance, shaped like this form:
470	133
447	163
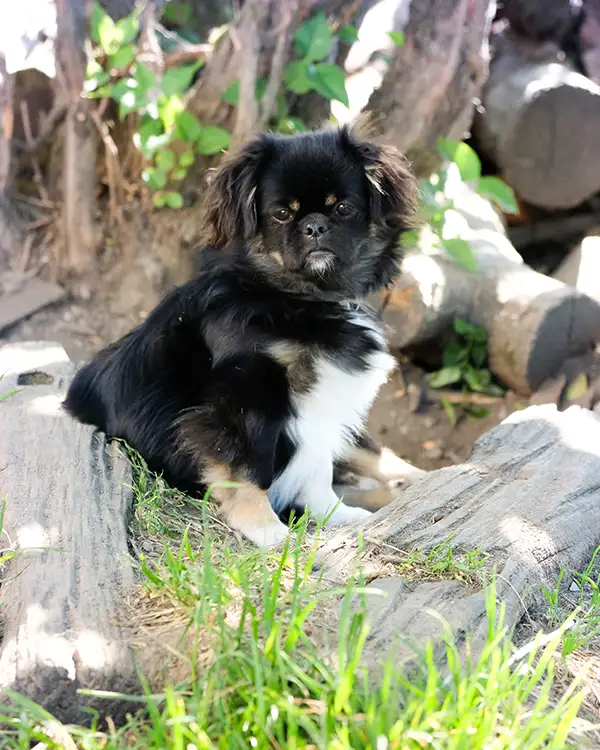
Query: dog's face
322	210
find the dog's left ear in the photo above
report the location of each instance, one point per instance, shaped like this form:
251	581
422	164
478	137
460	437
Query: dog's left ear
230	211
393	187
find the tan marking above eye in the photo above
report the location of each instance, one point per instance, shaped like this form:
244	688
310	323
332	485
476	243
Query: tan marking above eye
294	205
330	200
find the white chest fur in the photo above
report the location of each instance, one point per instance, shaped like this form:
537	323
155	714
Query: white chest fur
336	406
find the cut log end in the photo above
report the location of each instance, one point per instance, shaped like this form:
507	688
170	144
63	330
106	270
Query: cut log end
551	154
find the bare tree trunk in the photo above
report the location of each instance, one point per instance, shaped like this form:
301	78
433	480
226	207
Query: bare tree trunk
432	83
10	231
81	143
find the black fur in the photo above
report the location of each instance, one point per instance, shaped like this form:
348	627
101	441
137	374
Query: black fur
197	381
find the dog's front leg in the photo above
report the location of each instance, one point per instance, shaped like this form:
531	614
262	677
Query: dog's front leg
307	482
232	438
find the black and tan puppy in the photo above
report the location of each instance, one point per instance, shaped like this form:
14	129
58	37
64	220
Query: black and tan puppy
261	370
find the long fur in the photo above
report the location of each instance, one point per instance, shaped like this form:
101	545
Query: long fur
262	368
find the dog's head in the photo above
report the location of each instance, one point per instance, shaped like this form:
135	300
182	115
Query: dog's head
324	209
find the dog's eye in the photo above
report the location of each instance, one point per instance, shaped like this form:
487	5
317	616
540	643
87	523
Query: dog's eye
282	214
344	209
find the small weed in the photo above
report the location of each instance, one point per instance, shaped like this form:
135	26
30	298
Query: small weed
442	562
463	363
8	394
552	597
585	619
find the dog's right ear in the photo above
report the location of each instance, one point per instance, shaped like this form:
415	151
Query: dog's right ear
230	212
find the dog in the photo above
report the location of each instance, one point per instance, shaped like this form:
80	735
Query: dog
255	378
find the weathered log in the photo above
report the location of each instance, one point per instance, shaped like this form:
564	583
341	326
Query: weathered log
541	123
529	498
581	267
534	322
68	497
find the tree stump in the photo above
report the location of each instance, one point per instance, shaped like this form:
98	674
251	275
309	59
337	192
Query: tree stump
541	123
529	497
534	323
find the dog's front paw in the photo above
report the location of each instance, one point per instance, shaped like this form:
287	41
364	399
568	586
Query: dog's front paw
344	514
269	535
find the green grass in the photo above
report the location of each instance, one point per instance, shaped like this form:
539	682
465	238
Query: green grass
586	617
443	562
277	661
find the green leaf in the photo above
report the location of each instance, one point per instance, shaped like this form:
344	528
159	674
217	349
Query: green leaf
463	156
290	125
213	140
449	409
159	200
478	353
313	38
297	78
154	178
348	34
462	253
453	354
397	37
330	82
165	160
170	110
127	28
174	200
496	190
148	132
96	81
188	126
179	174
144	77
477	412
578	387
108	35
231	95
122	57
177	80
445	376
128	96
463	327
186	159
96	17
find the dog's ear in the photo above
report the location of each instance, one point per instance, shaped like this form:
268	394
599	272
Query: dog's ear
230	211
393	188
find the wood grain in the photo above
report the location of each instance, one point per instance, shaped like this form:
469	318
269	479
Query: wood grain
68	498
529	497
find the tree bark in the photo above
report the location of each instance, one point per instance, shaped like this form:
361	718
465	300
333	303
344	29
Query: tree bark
527	498
434	78
10	230
81	144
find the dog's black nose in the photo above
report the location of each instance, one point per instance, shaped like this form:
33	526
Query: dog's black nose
314	226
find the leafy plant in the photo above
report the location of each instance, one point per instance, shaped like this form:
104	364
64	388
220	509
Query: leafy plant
463	364
168	136
435	202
